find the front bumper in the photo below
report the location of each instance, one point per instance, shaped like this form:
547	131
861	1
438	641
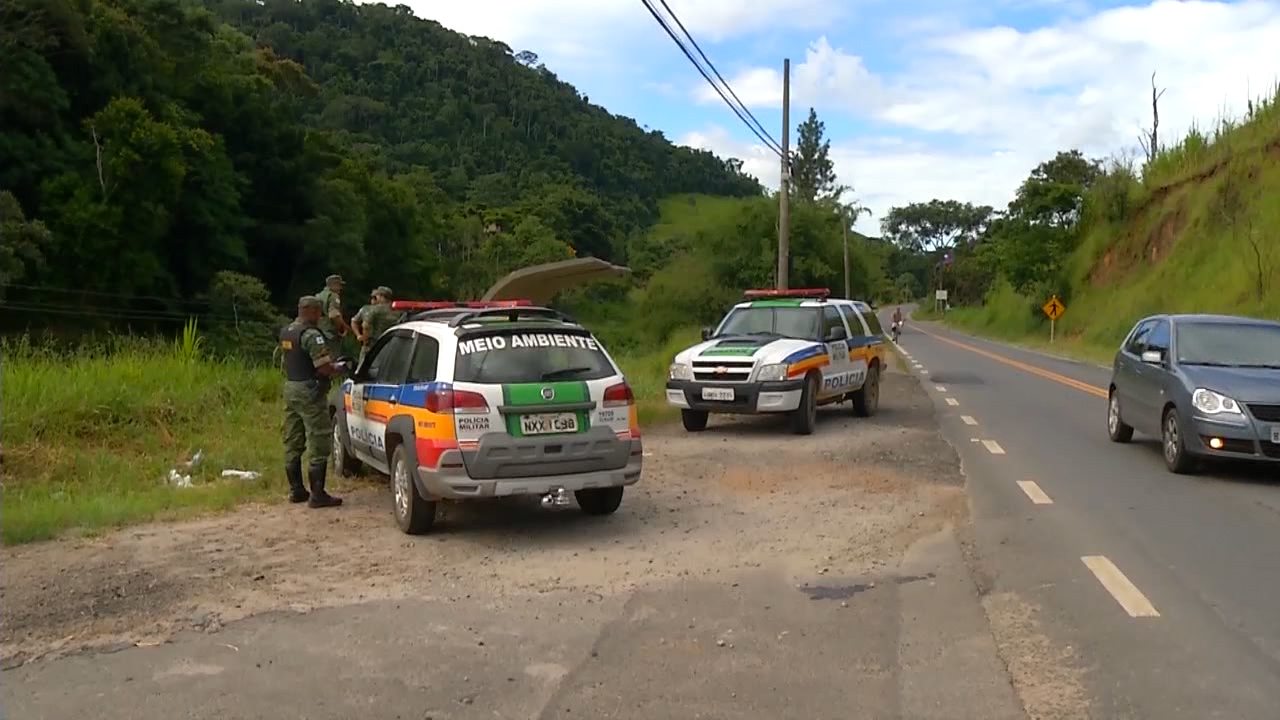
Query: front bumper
450	480
748	398
1246	440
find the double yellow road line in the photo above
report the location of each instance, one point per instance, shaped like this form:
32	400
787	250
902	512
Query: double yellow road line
1046	374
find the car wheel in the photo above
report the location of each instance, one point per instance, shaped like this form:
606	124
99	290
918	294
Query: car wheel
867	399
1116	429
1173	446
694	420
805	418
414	514
599	501
344	464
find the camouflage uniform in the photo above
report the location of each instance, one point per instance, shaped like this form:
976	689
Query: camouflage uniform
330	305
376	318
306	413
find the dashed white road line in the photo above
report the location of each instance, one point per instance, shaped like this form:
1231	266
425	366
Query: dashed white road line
1120	587
953	402
993	447
940	388
1034	492
968	420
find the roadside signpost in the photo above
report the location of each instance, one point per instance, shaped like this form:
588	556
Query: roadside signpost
939	299
1054	310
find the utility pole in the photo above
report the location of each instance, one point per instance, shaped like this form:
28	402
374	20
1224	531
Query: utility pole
784	211
844	225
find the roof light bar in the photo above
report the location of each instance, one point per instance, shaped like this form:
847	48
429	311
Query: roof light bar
465	305
815	293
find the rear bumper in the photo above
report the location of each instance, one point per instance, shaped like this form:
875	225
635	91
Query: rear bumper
450	480
748	398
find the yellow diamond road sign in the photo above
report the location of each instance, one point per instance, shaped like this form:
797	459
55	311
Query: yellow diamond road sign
1054	308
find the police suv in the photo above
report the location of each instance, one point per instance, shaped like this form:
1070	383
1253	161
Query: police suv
488	399
782	351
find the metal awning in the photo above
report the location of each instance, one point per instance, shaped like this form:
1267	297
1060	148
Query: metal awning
540	283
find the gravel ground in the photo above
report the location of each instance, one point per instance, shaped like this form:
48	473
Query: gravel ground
743	495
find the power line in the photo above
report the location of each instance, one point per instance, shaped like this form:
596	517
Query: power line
712	66
764	138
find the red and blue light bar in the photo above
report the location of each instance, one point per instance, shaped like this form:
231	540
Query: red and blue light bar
812	293
419	305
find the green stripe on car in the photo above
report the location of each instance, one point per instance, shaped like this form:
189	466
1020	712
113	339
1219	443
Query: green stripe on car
530	395
731	351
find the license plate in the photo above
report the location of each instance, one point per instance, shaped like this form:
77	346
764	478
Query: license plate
717	393
1275	434
547	424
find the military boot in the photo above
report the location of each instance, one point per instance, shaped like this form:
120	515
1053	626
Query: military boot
297	491
320	498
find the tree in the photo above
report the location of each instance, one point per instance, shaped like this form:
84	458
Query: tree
937	225
812	172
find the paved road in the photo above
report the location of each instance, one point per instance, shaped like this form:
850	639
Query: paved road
1166	587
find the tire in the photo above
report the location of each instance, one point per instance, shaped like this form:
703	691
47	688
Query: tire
1173	447
344	464
1117	430
866	400
805	418
599	501
694	420
414	515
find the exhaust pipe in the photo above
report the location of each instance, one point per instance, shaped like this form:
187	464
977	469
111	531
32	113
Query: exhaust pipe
555	498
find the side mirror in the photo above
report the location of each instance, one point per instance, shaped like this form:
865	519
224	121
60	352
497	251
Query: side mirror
707	332
1153	357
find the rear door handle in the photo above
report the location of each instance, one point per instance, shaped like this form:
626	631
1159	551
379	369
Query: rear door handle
393	400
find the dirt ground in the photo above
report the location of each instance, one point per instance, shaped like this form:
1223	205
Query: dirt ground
743	493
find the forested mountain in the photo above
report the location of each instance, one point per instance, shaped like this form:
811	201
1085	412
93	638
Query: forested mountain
148	145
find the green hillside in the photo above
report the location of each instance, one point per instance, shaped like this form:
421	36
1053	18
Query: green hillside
1194	230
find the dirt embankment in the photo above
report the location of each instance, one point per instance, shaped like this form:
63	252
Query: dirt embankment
743	494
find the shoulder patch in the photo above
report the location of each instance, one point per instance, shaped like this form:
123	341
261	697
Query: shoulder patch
320	340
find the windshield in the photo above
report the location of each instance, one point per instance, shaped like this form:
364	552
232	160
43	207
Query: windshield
530	357
792	322
1232	344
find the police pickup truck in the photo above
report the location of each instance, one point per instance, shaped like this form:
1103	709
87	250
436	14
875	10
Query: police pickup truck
782	351
489	399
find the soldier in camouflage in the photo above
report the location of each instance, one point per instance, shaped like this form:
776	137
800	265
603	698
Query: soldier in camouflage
373	319
331	322
309	370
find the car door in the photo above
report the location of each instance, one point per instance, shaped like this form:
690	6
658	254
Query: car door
1149	379
835	376
1125	377
375	395
866	341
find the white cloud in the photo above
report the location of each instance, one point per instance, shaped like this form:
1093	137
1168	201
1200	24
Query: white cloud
584	33
1011	99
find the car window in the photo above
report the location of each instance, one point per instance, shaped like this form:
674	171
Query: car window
831	321
1223	343
1158	338
426	355
793	321
391	363
522	356
873	322
1137	341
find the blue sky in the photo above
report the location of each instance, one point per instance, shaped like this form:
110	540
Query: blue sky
950	99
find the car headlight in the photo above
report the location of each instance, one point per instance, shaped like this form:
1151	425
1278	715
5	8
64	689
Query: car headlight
1213	403
680	371
771	373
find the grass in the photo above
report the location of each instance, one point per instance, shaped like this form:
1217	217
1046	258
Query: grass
89	439
1194	234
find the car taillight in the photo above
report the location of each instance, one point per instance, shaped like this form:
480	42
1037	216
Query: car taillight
618	395
450	401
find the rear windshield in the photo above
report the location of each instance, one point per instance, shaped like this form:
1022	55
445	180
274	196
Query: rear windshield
529	357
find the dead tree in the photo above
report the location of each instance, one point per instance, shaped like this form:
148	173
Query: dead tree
1150	140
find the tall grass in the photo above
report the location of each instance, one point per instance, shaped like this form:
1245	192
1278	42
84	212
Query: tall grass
1161	241
90	438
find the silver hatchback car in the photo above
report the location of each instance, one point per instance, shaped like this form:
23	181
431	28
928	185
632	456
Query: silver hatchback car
1207	385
